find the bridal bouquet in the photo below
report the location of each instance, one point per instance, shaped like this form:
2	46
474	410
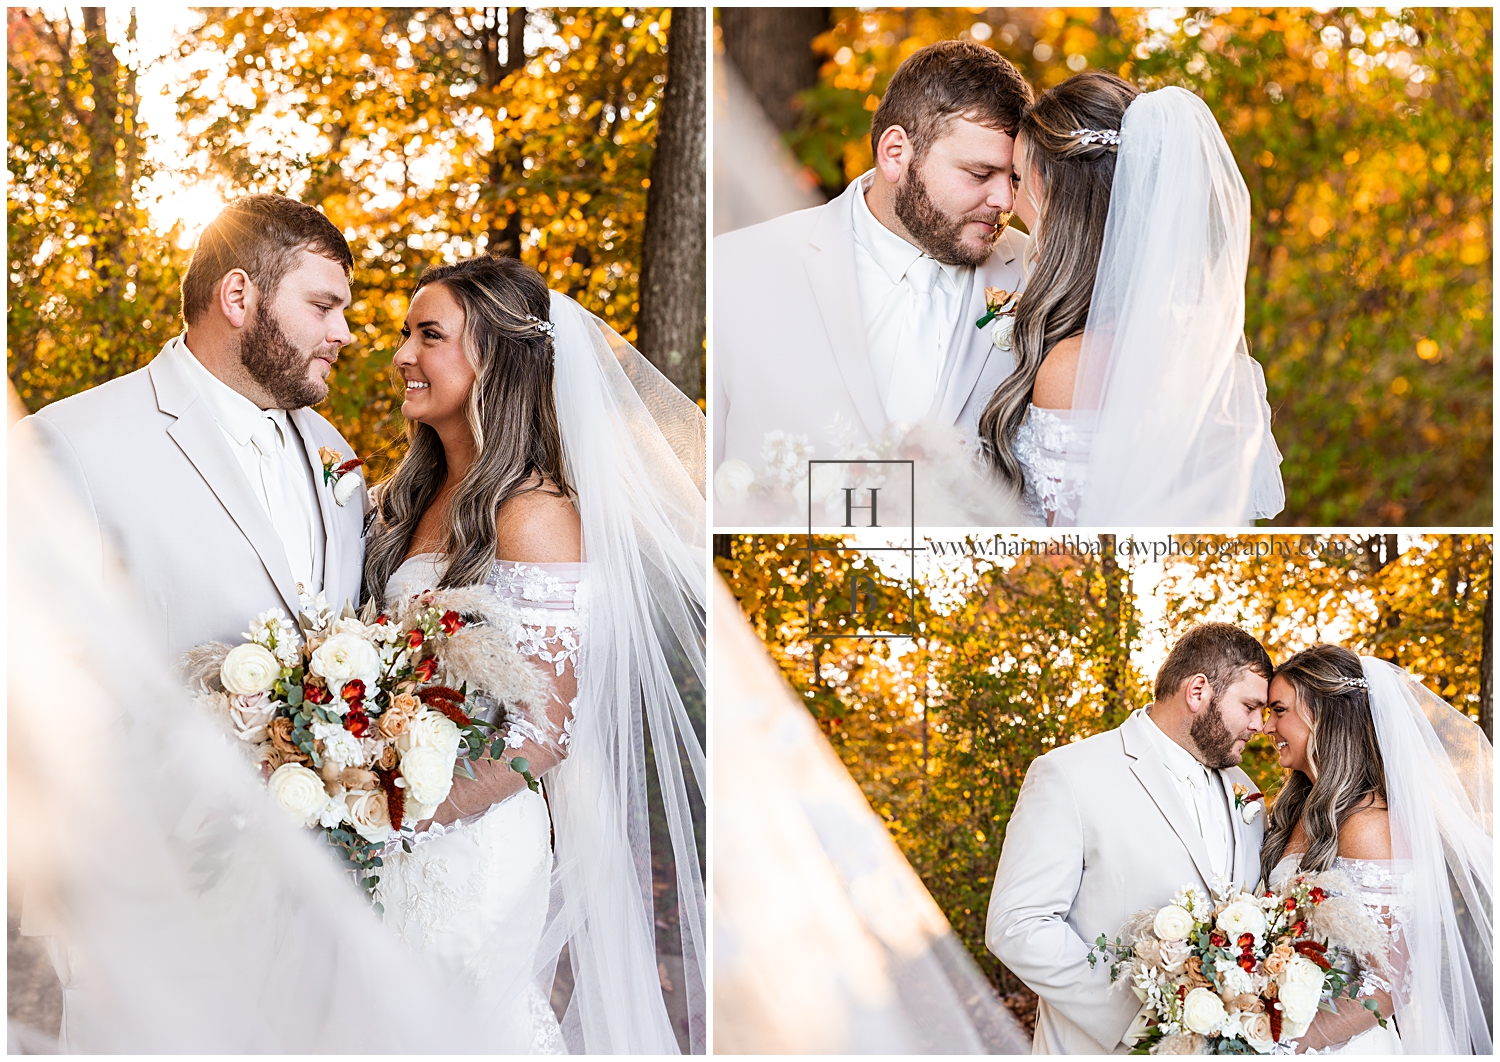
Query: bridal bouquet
359	724
1244	974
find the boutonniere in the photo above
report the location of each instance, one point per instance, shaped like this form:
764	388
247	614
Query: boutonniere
336	473
1248	804
1000	307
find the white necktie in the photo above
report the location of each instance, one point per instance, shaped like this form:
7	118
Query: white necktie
919	353
283	507
1210	819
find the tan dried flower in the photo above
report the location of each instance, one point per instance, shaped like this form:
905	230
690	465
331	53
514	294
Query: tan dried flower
358	778
1192	970
329	771
388	758
1181	1044
280	730
1249	1003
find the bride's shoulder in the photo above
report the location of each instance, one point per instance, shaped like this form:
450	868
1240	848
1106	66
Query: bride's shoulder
539	525
1053	388
1366	832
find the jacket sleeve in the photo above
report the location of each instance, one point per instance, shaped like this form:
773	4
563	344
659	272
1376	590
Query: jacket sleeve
36	440
1041	867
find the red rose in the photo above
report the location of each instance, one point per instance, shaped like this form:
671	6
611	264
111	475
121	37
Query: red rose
1246	941
1318	895
382	619
1247	962
353	690
426	669
414	639
451	622
1218	939
1298	928
316	694
356	722
1291	904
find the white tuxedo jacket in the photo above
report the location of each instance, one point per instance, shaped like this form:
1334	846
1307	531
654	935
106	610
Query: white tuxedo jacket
789	335
152	470
1099	832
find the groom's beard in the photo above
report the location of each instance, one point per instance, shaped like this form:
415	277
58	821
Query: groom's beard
1215	741
936	232
278	366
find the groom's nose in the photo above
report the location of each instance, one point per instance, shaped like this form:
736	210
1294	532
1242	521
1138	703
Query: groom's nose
339	333
1001	197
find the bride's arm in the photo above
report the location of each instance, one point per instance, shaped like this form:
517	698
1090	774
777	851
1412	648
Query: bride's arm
533	528
1365	835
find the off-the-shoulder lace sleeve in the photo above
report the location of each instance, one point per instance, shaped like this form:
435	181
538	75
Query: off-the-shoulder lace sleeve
1379	886
1043	444
546	601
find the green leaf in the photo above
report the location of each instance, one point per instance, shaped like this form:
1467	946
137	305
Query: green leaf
520	764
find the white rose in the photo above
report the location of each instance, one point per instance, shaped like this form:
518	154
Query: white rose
1005	328
432	730
343	657
345	486
249	669
428	773
1301	971
1249	812
1202	1011
732	482
1257	1029
368	814
1299	1001
1240	917
250	715
1293	1030
415	813
299	792
1172	923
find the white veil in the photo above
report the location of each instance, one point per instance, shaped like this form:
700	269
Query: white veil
1183	435
634	447
1439	787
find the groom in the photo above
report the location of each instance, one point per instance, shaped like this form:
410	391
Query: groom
203	472
1117	823
863	310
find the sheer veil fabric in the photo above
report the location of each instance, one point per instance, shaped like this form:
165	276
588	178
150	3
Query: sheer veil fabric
1183	434
201	920
634	447
1439	774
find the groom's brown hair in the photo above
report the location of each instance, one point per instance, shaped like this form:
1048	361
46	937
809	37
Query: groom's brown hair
1218	651
261	234
947	80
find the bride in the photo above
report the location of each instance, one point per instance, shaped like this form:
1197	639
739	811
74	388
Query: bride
1134	399
540	466
1391	786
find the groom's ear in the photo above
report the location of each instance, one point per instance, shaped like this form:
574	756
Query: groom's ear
236	297
893	153
1197	693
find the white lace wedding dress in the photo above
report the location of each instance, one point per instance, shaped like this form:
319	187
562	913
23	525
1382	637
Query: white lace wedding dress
1379	884
474	895
1042	446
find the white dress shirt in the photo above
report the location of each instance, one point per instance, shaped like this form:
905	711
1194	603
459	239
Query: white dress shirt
270	452
1202	792
907	339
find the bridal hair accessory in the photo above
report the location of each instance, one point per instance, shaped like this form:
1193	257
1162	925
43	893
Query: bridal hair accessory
1110	137
547	328
1345	685
336	473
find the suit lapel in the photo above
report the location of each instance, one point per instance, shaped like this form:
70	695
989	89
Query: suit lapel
197	434
973	347
305	420
830	273
1152	773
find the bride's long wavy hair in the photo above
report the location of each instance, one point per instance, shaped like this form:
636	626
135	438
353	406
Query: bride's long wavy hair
512	415
1073	179
1343	752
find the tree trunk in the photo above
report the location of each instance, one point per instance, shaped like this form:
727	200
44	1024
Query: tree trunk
505	233
771	49
103	186
1487	664
674	298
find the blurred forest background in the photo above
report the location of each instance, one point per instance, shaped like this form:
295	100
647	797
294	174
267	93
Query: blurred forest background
570	138
1015	656
1364	137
